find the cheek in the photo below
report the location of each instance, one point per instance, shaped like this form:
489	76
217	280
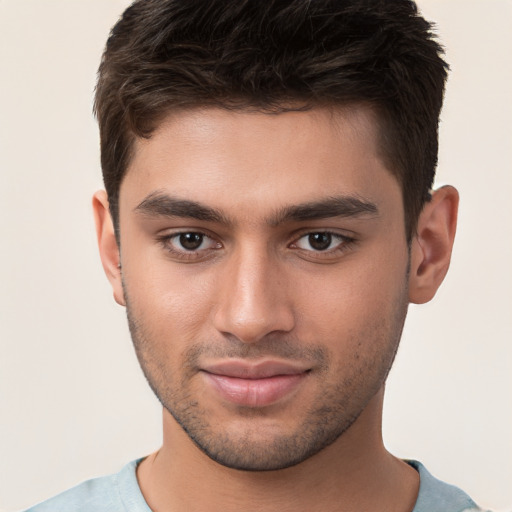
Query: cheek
352	303
173	302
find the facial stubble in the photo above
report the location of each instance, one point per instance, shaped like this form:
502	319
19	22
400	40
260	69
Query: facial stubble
334	410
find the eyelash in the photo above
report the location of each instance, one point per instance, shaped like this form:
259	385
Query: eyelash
345	243
190	255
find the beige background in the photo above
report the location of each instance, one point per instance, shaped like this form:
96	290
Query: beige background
73	402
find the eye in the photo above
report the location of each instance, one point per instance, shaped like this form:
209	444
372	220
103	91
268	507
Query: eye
191	241
188	243
321	241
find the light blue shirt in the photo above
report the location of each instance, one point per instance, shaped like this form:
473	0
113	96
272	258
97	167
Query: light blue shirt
121	493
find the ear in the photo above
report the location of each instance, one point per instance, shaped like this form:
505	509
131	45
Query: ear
431	247
107	243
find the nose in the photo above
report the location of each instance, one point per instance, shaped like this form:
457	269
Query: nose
254	298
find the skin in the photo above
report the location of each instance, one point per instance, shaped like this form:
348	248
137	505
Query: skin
257	287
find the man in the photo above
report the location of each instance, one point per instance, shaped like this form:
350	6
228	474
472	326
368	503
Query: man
268	217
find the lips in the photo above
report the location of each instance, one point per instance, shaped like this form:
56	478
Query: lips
254	385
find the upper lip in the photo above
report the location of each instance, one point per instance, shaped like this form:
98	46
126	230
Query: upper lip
254	370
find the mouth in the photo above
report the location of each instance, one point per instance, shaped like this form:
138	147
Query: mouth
254	385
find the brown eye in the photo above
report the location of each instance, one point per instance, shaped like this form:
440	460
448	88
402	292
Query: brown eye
191	241
189	246
320	241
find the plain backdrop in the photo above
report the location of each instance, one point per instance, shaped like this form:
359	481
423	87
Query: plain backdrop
73	401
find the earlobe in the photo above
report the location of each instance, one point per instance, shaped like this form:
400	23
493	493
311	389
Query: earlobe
107	244
431	247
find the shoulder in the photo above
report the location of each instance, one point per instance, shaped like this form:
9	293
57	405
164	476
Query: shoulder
112	493
437	496
98	494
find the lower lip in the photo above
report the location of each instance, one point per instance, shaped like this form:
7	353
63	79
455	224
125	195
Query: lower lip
255	392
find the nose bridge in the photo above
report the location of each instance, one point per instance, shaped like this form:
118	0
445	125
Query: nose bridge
254	301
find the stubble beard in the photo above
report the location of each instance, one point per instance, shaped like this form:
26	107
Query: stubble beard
333	412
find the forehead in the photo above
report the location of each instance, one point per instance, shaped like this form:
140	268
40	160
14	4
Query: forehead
238	159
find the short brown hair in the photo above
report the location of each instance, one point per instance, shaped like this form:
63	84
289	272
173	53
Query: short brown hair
266	55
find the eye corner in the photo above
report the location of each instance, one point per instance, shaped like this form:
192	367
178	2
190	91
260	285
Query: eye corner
188	245
322	245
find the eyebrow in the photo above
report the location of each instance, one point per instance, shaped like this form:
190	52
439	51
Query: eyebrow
159	204
339	206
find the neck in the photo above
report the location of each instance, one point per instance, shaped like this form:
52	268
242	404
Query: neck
354	473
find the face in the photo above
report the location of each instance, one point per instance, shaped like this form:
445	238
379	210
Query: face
264	266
